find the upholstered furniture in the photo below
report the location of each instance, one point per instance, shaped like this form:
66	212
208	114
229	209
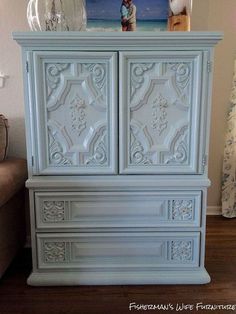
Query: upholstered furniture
117	135
13	173
4	137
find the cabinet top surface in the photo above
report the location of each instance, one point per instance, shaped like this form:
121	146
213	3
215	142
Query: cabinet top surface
117	40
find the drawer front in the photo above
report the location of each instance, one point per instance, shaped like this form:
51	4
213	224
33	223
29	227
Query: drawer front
117	209
118	250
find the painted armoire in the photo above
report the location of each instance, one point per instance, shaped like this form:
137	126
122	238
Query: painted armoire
117	129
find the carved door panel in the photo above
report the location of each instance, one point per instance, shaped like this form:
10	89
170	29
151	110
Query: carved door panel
76	112
160	98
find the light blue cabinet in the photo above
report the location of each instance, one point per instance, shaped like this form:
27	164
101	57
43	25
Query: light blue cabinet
160	104
76	105
117	128
75	112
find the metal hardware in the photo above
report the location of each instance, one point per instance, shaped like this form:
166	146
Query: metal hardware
204	161
209	66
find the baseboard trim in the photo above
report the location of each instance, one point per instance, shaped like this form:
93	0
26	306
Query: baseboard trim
214	210
175	277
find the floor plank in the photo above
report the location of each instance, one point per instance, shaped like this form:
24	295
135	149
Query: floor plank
18	298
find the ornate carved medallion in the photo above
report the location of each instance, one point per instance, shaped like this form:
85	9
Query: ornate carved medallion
54	252
159	114
181	251
181	210
78	114
53	211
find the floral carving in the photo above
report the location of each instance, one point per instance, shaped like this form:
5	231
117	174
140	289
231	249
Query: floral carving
159	114
181	251
53	72
98	74
179	147
99	154
53	211
56	153
181	209
182	72
137	153
54	252
137	75
78	114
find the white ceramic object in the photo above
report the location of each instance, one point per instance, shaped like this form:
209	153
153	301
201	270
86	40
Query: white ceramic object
177	6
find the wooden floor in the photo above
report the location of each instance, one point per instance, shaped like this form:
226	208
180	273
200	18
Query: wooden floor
16	297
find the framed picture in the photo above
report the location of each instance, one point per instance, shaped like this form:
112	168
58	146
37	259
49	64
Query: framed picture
127	15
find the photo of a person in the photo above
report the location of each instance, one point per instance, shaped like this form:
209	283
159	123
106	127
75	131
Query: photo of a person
128	16
124	11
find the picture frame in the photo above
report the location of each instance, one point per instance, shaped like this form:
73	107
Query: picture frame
116	15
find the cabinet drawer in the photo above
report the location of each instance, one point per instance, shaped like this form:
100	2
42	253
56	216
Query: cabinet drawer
117	209
118	250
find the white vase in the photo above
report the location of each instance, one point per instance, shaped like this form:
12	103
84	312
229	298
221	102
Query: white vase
57	15
178	6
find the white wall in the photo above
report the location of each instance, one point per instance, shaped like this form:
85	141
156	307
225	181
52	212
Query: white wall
218	15
207	15
12	18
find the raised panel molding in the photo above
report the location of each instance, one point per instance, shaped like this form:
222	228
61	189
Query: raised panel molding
118	250
79	111
159	112
112	209
79	101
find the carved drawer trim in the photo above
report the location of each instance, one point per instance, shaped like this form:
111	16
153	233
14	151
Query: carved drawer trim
117	209
118	250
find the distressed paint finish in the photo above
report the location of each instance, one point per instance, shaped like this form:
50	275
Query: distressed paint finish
118	182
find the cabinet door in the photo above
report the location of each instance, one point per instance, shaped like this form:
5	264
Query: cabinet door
75	112
160	99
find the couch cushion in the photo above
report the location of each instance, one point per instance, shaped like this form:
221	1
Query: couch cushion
4	138
13	173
